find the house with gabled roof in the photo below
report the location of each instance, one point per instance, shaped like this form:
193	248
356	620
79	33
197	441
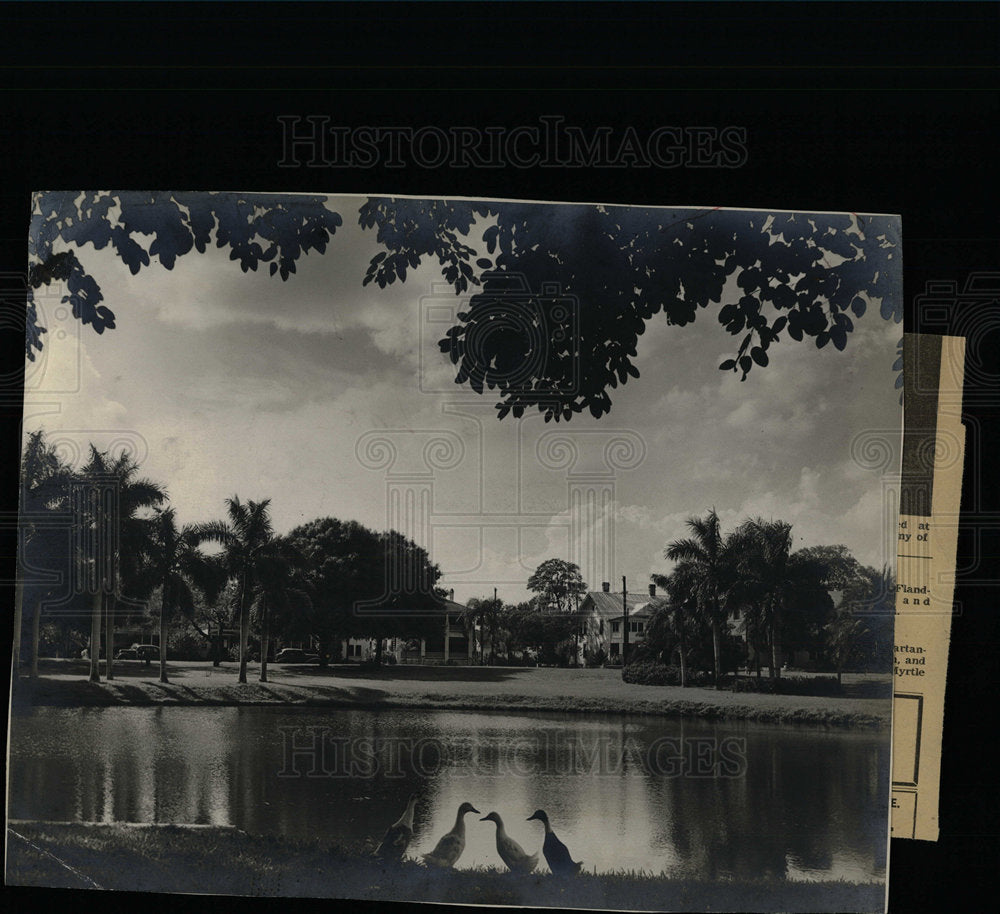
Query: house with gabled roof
603	611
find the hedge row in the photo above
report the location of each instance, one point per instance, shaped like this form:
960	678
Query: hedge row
650	672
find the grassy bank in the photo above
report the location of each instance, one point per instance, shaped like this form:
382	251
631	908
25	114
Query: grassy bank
456	688
164	858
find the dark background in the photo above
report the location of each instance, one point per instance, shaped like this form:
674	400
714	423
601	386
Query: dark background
868	107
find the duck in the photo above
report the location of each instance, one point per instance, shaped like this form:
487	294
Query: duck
556	853
398	835
517	859
450	847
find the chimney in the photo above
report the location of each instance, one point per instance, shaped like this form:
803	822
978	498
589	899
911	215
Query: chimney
652	590
451	595
606	586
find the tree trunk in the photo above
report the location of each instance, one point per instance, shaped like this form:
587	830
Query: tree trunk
717	649
217	647
378	652
163	638
776	642
264	637
18	614
95	636
244	629
109	651
36	623
683	659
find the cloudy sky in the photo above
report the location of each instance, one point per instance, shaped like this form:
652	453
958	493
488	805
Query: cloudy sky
231	383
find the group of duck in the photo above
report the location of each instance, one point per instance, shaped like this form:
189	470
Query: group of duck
445	855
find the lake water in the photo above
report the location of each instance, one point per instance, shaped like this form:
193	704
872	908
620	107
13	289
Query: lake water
711	800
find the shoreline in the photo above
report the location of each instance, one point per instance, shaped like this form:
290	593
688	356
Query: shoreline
482	689
227	860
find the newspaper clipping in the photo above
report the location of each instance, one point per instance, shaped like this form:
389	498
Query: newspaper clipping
933	451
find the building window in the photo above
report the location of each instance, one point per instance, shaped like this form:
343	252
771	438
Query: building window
600	626
614	649
614	626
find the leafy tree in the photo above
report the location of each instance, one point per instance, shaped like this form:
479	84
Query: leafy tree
709	569
612	269
365	584
815	573
328	547
862	630
115	510
549	634
557	583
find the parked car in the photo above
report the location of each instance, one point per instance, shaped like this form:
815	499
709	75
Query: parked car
127	653
148	652
294	655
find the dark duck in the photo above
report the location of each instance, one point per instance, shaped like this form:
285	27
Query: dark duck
556	853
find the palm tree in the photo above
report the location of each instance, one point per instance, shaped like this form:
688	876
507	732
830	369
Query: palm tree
120	539
709	562
681	587
45	494
177	564
280	587
764	567
246	539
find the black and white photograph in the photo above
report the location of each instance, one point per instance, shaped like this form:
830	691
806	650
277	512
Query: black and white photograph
441	549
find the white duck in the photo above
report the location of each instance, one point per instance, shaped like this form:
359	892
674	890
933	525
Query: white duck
450	847
515	856
398	835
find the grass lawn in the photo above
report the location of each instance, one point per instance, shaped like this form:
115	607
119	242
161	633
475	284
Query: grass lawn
64	682
168	858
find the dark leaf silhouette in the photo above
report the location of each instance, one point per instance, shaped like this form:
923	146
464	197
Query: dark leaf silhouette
555	313
142	226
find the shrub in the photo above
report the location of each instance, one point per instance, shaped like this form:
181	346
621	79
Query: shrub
187	646
652	672
817	686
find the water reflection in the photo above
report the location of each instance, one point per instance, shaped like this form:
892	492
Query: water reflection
682	797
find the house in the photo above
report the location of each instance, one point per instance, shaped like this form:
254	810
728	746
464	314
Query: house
451	644
602	613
